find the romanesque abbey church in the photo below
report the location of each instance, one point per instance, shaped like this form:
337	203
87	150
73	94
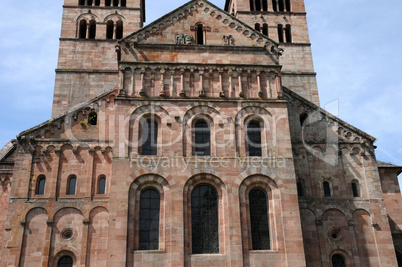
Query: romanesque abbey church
196	140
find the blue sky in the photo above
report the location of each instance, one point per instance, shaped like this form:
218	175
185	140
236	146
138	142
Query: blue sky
355	50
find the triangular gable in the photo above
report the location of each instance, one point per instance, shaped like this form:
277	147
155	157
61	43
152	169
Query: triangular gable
222	29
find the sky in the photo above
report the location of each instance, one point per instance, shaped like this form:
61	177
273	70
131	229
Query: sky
356	53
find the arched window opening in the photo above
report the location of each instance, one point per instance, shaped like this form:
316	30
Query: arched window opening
93	118
259	220
97	2
149	220
355	189
280	33
288	31
204	220
252	8
149	138
257	27
123	3
281	6
81	2
92	29
109	29
300	188
264	5
265	29
89	2
258	5
338	261
108	2
200	34
83	29
288	5
202	139
71	185
115	2
65	261
327	189
274	5
40	187
119	29
254	139
102	186
303	118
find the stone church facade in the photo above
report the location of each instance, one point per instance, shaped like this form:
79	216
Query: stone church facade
196	140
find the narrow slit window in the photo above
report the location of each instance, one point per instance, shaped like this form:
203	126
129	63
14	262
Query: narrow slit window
72	183
204	220
200	34
300	188
149	138
119	29
65	261
265	29
355	189
40	188
280	33
109	29
259	220
288	31
102	186
92	29
83	29
202	139
149	220
254	139
327	189
108	2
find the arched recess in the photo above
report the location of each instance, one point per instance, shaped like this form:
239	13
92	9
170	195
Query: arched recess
215	121
141	183
138	115
272	191
261	115
220	188
67	235
64	254
343	254
34	240
311	239
364	233
98	233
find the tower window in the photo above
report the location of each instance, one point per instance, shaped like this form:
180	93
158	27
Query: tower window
109	29
257	27
288	34
92	29
275	5
93	118
202	140
338	261
123	3
259	220
149	220
65	261
264	5
200	34
71	185
327	189
97	2
257	5
204	220
281	6
252	8
81	2
254	139
115	2
40	187
265	29
149	138
355	189
102	186
288	5
119	29
280	33
83	29
89	2
108	2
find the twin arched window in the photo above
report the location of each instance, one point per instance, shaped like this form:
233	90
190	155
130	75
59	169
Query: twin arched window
87	30
149	220
202	139
254	139
204	220
114	30
40	186
115	3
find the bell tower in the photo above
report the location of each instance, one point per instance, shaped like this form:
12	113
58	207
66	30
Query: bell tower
283	21
87	64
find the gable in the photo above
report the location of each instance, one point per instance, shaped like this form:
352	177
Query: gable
176	38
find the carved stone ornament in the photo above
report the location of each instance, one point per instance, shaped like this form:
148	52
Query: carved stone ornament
228	40
183	39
